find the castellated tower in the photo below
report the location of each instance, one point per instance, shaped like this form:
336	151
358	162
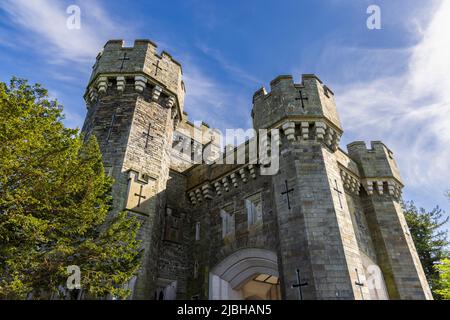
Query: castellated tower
396	251
135	99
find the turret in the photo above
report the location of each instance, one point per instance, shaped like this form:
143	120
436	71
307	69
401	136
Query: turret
118	67
396	253
377	167
304	111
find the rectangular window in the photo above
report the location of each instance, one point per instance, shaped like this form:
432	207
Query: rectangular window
227	215
196	266
254	209
197	231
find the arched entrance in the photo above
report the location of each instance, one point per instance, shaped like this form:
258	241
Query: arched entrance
247	274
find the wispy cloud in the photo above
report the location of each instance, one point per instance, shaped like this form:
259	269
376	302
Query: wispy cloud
45	26
42	24
410	111
40	27
212	101
238	73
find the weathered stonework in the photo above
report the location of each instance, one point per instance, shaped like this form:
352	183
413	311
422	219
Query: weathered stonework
334	216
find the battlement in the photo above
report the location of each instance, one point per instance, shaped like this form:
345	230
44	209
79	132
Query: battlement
361	147
308	100
376	162
117	44
284	82
140	47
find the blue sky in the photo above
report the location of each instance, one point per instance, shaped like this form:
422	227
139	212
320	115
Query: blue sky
390	84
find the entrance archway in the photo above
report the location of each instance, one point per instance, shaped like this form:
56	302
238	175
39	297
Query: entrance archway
250	274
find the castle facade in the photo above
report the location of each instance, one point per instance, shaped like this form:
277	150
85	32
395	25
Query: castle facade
306	221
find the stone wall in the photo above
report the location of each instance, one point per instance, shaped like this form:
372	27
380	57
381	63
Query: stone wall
174	260
211	248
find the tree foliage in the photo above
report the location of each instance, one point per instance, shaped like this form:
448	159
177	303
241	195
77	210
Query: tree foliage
54	203
430	240
443	289
443	268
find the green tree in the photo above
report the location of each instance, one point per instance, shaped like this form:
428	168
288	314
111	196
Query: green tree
444	279
54	203
443	268
430	240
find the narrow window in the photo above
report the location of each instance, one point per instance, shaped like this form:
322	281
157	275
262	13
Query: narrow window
254	209
197	231
196	267
227	216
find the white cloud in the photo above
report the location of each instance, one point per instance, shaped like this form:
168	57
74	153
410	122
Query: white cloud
46	30
410	111
40	26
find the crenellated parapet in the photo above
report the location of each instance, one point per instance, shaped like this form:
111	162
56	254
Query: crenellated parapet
378	169
304	111
138	69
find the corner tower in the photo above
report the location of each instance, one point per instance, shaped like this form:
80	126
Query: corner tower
135	100
380	198
315	226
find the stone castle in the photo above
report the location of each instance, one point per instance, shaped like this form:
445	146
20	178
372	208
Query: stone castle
326	225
